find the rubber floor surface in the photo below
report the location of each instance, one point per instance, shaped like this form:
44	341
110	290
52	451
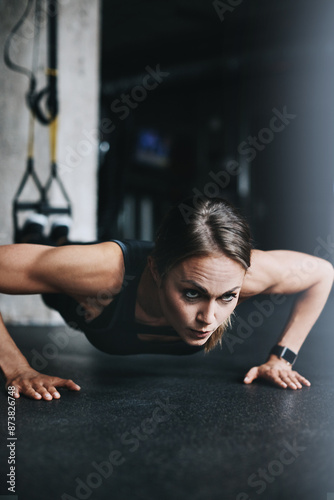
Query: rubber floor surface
160	427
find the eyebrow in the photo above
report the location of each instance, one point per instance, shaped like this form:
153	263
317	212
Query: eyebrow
204	290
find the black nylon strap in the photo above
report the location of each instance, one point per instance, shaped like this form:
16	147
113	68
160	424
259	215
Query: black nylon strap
284	353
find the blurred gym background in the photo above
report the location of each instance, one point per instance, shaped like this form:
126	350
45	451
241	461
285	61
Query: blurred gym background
162	100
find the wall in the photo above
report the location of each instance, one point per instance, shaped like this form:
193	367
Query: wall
78	89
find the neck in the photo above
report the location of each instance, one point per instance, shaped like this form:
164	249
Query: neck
148	307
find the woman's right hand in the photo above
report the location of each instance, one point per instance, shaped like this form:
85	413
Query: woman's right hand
36	385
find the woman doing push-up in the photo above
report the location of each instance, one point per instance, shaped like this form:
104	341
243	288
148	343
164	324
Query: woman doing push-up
174	296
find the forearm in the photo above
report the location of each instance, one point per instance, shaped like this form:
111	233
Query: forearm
25	380
11	357
305	312
286	272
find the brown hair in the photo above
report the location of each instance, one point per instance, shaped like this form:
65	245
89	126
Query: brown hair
211	225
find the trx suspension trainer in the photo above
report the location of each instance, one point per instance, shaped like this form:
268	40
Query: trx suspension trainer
35	99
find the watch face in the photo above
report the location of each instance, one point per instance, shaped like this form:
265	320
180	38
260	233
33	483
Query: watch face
284	353
289	355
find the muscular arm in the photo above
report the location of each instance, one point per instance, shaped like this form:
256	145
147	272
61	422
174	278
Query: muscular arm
73	269
287	272
31	269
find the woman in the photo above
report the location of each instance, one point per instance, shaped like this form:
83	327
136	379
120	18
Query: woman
174	297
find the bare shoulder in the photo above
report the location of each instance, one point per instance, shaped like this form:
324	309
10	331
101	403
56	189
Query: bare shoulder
283	272
82	269
112	258
73	269
262	274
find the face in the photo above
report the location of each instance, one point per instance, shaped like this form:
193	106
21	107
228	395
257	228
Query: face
199	294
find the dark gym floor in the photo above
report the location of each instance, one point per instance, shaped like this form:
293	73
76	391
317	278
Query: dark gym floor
166	428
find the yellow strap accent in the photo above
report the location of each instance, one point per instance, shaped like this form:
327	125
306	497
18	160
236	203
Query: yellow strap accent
51	72
31	136
53	139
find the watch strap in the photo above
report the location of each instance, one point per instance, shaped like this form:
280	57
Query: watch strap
284	353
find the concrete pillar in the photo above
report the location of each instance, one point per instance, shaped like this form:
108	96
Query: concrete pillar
78	86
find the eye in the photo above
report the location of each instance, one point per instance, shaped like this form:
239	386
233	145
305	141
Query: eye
229	297
191	294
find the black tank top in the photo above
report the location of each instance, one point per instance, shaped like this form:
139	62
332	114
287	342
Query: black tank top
115	330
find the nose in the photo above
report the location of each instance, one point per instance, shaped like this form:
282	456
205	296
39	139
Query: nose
206	315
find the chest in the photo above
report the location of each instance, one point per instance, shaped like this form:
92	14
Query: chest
93	307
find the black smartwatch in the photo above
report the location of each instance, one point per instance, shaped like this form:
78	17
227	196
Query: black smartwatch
284	353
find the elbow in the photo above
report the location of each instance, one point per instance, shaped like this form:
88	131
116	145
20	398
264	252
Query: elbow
327	271
331	276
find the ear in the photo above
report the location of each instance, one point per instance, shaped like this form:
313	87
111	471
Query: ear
153	268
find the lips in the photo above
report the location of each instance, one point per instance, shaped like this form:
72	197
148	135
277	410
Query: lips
200	333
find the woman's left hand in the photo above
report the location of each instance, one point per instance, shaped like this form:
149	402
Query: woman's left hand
278	372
